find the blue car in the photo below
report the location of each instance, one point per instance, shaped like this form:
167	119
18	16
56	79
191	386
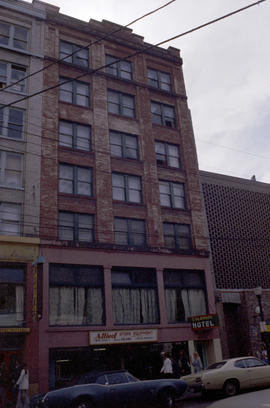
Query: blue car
115	389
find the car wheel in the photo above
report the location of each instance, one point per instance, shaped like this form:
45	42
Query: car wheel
230	388
82	404
167	399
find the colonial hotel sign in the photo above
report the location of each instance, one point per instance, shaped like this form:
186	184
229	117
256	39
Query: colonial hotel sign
122	336
204	322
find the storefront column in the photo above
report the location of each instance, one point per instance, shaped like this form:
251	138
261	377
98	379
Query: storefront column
43	351
161	296
217	350
108	297
191	349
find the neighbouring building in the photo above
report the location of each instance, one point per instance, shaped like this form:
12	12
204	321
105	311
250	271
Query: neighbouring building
21	44
237	213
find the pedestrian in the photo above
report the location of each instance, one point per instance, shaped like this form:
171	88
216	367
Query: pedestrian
167	369
3	382
197	362
15	370
183	363
264	355
23	384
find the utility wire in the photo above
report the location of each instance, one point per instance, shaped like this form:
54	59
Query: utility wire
87	45
145	49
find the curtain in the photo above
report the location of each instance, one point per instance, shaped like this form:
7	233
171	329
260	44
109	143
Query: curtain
94	308
134	306
183	303
19	305
67	305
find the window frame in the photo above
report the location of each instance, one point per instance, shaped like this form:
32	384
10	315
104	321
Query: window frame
7	79
126	189
74	57
159	81
75	226
129	233
6	124
172	196
118	68
167	155
10	221
74	94
12	36
3	169
124	149
177	236
119	104
74	135
9	282
183	286
163	121
75	181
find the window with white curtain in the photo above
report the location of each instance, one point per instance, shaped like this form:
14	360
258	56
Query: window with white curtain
11	169
76	295
12	296
163	114
119	68
128	231
185	294
167	154
80	54
13	36
11	73
124	145
74	135
172	194
75	180
75	92
10	218
134	295
127	187
11	123
121	104
76	227
159	79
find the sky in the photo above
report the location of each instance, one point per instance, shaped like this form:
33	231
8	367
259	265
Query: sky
226	69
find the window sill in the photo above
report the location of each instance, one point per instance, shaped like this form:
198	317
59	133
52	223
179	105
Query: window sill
25	52
77	196
13	138
117	115
74	104
12	188
174	128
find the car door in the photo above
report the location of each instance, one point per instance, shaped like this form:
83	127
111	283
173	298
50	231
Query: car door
258	371
123	392
240	371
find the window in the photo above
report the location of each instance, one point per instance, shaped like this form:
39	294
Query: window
177	236
76	227
79	57
254	362
129	231
76	295
11	123
134	294
12	299
75	180
163	114
10	73
184	294
119	68
172	194
75	92
10	216
127	188
167	154
159	79
11	169
13	36
124	145
121	104
75	135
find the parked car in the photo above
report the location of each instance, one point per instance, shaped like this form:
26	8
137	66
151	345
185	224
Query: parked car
231	376
115	389
255	399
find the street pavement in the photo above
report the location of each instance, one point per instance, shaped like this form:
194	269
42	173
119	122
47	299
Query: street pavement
191	399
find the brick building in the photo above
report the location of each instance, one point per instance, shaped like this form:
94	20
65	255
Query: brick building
237	213
21	44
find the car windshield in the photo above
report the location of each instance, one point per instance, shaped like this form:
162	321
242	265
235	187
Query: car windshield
216	365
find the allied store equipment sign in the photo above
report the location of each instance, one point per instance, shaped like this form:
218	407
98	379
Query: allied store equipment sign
122	336
204	322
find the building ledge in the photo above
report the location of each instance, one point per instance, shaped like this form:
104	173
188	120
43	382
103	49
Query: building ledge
19	240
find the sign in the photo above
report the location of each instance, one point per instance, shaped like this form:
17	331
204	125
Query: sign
15	330
122	336
204	322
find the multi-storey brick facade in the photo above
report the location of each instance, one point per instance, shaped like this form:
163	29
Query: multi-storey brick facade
121	214
21	52
237	213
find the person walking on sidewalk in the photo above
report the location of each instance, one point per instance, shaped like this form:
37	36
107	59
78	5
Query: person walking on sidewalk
23	384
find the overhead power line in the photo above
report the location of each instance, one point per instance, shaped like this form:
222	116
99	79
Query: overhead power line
87	45
145	49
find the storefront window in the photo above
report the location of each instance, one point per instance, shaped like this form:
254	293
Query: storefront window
76	295
184	294
134	296
11	297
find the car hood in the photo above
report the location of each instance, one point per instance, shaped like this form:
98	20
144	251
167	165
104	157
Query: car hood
195	376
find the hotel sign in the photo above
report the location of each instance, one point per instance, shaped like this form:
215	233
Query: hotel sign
204	322
122	336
